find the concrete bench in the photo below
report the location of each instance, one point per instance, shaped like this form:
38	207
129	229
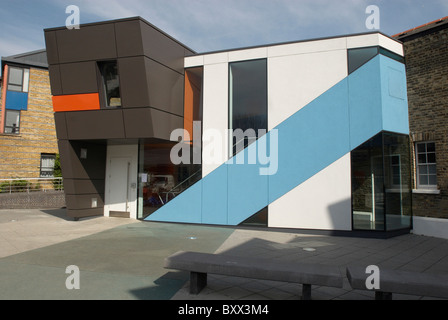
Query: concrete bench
200	264
397	281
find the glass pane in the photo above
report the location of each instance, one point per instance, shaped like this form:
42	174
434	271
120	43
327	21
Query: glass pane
358	57
432	169
111	83
398	194
12	123
423	169
432	180
423	179
15	76
13	87
431	158
431	147
421	158
421	147
248	100
368	185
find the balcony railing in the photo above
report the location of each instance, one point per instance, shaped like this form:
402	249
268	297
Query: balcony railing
31	185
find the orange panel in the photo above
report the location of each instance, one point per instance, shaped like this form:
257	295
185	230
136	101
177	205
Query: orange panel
76	102
188	107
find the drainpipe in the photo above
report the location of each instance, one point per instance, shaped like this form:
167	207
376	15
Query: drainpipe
4	88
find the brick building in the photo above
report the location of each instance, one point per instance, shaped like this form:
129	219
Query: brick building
28	144
426	52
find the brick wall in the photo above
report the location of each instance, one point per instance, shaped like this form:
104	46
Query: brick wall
427	76
20	154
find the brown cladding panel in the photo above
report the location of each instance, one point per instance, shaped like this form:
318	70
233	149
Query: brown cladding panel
61	125
166	88
52	47
161	48
78	186
55	79
129	39
97	124
133	82
79	78
164	123
76	202
85	213
90	42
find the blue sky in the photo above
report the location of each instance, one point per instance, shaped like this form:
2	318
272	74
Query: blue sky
208	25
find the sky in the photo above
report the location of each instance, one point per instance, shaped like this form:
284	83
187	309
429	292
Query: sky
209	25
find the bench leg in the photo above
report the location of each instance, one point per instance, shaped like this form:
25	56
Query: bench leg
379	295
198	281
306	292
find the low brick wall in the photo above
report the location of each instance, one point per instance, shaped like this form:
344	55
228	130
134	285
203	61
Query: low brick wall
32	200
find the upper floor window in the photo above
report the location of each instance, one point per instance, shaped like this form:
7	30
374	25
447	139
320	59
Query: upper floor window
110	82
12	122
18	79
426	165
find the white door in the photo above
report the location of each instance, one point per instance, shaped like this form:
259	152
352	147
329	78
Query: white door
118	185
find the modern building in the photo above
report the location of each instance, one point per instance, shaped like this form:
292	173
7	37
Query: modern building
28	142
309	135
426	52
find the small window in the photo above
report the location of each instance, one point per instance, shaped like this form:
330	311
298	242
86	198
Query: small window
12	122
111	83
426	165
18	79
47	165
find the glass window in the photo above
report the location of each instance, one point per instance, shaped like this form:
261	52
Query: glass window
111	83
47	165
247	101
18	79
381	193
426	165
12	122
359	56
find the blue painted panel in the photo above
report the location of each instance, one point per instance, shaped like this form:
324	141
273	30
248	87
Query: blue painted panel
214	197
311	139
16	100
365	102
247	188
185	208
394	96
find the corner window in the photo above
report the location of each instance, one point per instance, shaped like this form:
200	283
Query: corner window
47	165
110	83
426	165
18	79
12	122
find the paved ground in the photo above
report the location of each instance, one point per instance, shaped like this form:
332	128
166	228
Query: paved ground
123	259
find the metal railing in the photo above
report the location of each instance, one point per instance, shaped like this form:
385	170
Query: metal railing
28	185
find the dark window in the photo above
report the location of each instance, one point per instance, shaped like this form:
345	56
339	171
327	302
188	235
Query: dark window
359	56
426	165
111	83
12	122
47	165
247	102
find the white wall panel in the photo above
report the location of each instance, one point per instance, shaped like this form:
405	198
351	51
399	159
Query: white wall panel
366	40
248	54
294	81
391	45
194	61
307	47
322	202
213	58
215	112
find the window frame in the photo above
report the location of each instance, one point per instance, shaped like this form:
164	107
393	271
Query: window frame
25	78
42	155
427	164
6	126
103	84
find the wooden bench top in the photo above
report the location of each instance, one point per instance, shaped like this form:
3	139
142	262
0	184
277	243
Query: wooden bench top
258	268
405	282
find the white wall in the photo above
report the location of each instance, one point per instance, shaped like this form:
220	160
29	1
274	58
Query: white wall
296	80
431	227
215	113
130	151
322	202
